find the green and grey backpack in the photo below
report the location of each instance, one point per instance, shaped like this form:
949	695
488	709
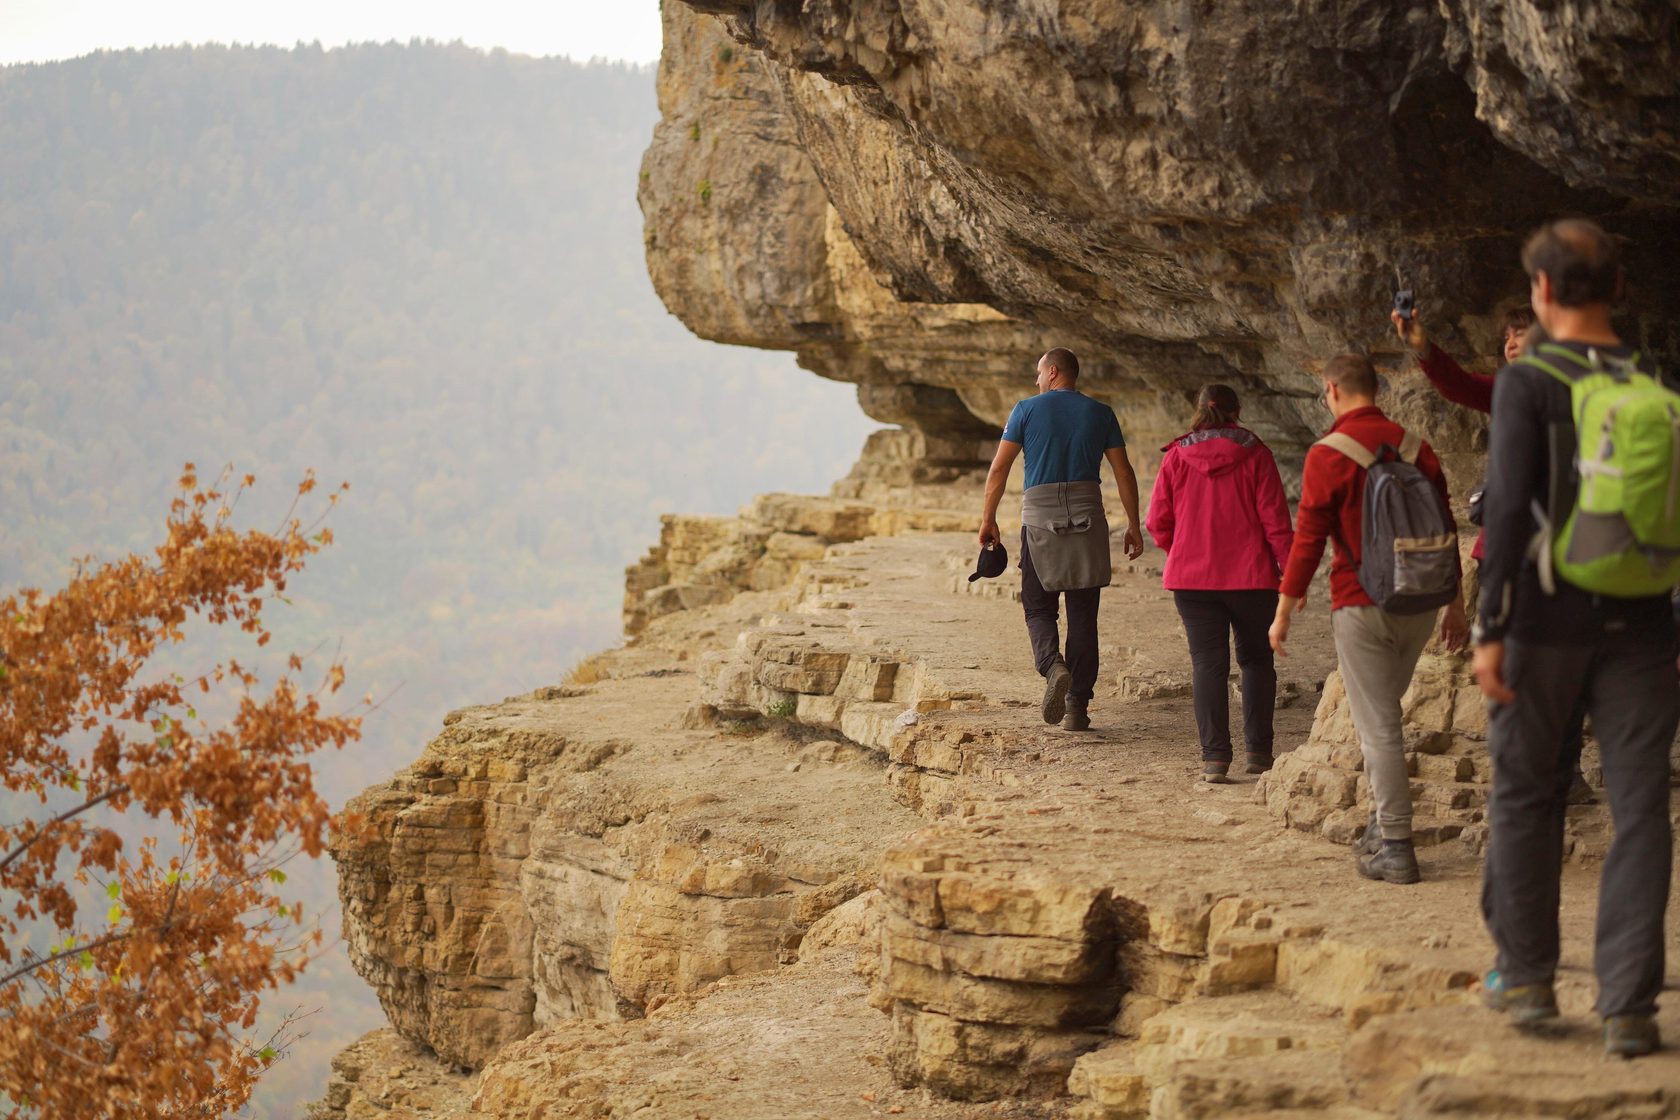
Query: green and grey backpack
1622	539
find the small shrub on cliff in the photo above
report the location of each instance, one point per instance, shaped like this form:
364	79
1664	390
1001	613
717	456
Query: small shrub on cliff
591	670
704	190
141	847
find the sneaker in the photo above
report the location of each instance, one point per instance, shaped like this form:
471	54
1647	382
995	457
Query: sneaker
1394	862
1258	763
1056	684
1370	841
1214	773
1078	717
1630	1036
1526	1004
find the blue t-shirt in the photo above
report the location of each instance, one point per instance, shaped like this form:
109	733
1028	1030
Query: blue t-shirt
1064	434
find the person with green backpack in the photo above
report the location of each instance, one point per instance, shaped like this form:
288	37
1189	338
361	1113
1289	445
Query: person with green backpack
1581	516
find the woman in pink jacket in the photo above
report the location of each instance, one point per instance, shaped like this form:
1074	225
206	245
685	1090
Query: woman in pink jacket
1219	513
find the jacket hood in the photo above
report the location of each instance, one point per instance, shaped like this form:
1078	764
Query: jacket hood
1216	451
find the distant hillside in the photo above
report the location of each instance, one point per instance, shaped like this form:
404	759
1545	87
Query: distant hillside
416	268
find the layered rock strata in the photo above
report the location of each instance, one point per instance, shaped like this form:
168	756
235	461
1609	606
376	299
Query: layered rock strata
920	197
576	854
702	560
1071	922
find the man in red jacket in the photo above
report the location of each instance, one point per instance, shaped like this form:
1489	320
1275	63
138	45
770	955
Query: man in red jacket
1376	649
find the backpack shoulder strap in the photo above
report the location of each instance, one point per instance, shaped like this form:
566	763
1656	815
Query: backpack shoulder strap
1410	445
1352	448
1578	364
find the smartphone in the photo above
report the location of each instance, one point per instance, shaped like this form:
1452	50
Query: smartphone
1403	303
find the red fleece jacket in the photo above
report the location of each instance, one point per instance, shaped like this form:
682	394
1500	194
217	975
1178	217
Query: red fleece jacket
1333	503
1219	513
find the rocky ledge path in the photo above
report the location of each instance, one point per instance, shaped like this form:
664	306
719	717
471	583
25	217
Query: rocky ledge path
812	853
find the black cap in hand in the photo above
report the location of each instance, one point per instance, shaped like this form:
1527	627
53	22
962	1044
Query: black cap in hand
994	558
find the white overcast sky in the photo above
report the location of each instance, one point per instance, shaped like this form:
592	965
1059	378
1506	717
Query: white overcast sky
44	30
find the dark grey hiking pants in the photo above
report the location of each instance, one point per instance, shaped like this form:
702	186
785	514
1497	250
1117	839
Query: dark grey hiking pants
1210	618
1042	611
1630	689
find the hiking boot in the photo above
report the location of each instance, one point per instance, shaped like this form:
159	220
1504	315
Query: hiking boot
1526	1004
1630	1036
1078	717
1394	862
1056	684
1214	773
1370	841
1258	763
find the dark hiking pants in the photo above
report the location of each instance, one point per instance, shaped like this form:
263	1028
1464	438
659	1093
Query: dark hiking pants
1630	689
1041	608
1210	618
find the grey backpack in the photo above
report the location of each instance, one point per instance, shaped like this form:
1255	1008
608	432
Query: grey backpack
1408	554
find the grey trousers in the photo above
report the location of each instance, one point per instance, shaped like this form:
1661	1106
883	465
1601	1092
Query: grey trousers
1632	692
1377	652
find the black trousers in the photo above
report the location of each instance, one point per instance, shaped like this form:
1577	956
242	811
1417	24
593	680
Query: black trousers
1629	687
1042	612
1210	618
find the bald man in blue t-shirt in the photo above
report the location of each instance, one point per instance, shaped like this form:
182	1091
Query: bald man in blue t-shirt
1066	436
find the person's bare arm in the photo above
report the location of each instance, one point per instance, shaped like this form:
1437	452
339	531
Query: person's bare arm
1126	479
996	479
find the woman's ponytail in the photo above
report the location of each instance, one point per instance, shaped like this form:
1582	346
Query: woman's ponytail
1216	407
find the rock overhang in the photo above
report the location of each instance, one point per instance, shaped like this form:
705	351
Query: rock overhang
920	197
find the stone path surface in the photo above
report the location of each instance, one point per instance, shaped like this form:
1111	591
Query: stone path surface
812	852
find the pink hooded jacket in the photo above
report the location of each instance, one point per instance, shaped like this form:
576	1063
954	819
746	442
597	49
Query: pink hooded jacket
1219	513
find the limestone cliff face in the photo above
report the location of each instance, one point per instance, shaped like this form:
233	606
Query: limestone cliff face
920	195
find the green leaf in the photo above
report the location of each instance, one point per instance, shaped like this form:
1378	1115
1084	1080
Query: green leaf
114	914
172	878
281	910
277	875
73	781
191	714
114	891
266	1053
85	961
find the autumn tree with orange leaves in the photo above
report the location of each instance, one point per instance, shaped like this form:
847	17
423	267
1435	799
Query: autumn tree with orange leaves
140	847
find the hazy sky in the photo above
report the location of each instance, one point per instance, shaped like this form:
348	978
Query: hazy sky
41	30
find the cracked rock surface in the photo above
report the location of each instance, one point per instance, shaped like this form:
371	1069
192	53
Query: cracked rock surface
919	196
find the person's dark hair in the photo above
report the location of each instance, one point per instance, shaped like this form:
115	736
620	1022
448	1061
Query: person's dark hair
1064	361
1216	407
1353	374
1517	319
1582	260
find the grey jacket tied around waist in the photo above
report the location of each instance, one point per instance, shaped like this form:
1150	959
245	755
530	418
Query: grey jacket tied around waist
1066	531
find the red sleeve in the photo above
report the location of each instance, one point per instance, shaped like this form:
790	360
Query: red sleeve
1315	517
1274	507
1159	520
1452	381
